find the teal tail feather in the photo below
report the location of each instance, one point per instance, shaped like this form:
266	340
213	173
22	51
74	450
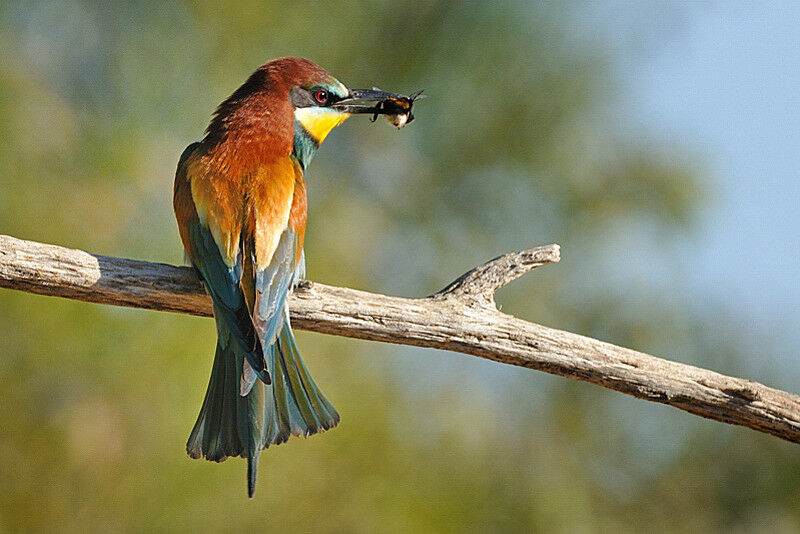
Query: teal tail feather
296	406
232	425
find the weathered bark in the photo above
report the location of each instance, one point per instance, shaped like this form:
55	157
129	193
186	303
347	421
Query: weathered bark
461	318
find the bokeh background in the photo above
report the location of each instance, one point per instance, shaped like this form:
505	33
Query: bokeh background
656	142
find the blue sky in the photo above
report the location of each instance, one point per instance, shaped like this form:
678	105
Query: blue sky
723	80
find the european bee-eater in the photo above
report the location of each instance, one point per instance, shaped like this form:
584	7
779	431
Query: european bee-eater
240	202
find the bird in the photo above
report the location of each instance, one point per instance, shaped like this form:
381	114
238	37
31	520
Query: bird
240	203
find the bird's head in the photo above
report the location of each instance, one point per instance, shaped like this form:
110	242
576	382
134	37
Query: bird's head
291	105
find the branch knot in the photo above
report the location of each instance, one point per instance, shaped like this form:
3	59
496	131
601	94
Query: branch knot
478	286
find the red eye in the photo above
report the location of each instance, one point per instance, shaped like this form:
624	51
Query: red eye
321	96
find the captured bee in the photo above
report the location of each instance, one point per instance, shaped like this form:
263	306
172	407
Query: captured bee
397	109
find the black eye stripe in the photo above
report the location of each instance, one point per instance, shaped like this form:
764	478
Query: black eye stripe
303	98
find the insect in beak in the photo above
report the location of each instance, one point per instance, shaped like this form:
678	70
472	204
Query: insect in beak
396	107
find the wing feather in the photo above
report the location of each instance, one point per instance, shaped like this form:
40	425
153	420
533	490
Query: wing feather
211	230
275	276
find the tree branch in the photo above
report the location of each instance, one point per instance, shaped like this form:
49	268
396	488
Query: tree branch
479	285
460	318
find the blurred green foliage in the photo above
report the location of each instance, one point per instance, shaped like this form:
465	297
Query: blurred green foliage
518	144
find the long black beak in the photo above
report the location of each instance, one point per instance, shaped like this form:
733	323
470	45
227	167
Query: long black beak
376	102
364	101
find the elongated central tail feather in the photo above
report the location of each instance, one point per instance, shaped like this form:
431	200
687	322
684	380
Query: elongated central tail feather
233	425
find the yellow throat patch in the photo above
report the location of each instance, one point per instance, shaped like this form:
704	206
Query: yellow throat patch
319	121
